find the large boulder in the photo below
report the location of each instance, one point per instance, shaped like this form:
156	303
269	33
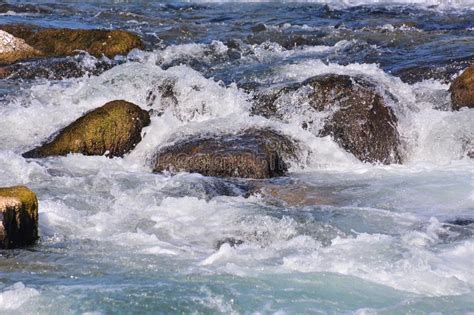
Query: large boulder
18	217
66	42
462	90
13	49
113	129
252	153
357	117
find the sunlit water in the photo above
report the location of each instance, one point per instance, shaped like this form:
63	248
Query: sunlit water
364	239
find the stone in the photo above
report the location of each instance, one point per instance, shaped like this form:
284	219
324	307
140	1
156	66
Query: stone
18	217
462	90
112	130
359	120
23	8
53	69
53	42
233	242
298	194
252	153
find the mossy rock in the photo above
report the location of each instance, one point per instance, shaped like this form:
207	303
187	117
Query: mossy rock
53	42
19	217
113	130
251	153
462	90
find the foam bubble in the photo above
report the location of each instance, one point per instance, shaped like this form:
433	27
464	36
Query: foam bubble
13	297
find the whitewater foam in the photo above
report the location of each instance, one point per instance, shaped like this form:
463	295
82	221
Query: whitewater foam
13	297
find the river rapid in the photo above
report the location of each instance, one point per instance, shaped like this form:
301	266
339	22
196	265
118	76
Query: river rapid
362	239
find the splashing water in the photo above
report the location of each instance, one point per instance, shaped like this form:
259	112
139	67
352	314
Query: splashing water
360	239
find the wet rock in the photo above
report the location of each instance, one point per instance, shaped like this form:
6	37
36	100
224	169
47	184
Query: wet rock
18	217
23	8
287	40
113	129
53	69
357	117
66	42
462	221
253	153
462	90
441	71
258	28
295	194
13	49
233	242
162	96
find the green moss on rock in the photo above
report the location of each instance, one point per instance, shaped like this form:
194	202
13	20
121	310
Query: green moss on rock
65	42
19	217
113	129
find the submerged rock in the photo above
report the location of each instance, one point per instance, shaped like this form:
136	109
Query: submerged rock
13	49
442	71
66	42
18	217
358	118
462	90
231	241
23	8
54	69
253	153
113	129
294	194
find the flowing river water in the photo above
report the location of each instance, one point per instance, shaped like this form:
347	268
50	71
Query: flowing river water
362	239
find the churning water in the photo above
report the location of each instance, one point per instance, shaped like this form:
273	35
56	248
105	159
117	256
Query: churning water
362	239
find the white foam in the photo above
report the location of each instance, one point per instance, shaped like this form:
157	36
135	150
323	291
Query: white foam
440	4
13	297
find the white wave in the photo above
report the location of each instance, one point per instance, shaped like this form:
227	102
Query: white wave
13	297
204	105
440	4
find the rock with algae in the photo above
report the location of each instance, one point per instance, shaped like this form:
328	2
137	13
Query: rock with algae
18	217
57	42
113	129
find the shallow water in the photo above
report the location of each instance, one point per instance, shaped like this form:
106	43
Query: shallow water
360	238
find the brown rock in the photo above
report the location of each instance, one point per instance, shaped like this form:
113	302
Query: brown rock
462	90
252	153
113	129
18	217
66	42
360	122
295	195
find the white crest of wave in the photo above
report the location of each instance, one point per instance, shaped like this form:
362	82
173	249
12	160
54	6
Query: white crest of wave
15	296
440	4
